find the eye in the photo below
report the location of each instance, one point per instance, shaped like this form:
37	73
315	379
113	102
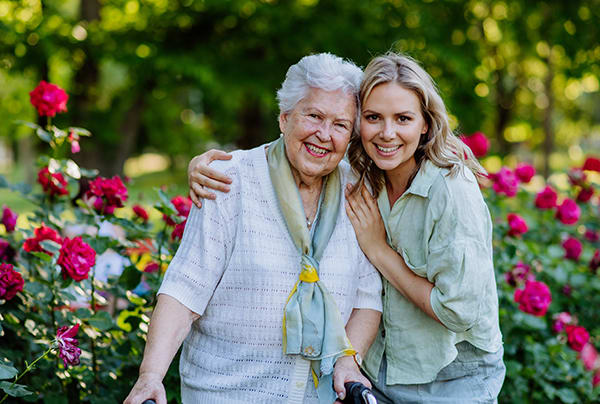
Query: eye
404	118
314	116
371	117
342	126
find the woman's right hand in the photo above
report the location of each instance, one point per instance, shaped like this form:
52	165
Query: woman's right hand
201	177
148	386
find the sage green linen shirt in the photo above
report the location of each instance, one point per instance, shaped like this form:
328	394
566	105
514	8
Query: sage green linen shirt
441	226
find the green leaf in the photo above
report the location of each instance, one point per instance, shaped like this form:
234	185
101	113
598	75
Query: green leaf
130	277
43	256
7	371
42	134
135	299
567	395
17	390
50	246
102	321
56	398
3	182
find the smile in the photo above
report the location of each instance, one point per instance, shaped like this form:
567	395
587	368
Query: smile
387	150
315	150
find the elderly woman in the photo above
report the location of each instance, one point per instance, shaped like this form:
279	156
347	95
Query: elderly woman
269	288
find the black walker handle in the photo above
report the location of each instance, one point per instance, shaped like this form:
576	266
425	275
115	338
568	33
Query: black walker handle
358	393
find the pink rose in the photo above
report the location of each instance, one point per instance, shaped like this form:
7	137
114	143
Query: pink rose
49	99
177	233
568	212
9	219
74	140
11	282
40	234
572	248
151	267
68	350
585	194
76	259
182	205
561	320
140	212
517	225
7	253
505	182
519	274
534	298
595	261
589	357
478	143
525	172
106	194
546	198
591	235
577	337
52	183
592	164
577	177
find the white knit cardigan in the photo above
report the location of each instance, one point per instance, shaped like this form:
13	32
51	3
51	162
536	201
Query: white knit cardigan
236	266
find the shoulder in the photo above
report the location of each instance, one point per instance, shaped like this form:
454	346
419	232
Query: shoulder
458	187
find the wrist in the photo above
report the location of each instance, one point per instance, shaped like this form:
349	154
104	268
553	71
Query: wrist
376	253
347	362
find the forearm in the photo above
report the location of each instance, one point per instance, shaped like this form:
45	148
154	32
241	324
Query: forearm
392	267
361	329
170	324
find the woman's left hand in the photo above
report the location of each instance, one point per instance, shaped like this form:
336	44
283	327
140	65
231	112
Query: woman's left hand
346	370
364	215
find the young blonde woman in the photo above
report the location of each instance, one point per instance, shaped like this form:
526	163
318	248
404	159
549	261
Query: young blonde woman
426	228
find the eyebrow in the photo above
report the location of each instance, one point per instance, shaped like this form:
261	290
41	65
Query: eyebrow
310	109
370	111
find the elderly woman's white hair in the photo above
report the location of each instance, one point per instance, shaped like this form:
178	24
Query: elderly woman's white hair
323	71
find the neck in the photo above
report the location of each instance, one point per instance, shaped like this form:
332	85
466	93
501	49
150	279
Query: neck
305	182
396	180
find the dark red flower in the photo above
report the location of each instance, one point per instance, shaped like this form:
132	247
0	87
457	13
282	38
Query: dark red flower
76	259
534	298
568	212
517	225
577	177
106	194
572	248
596	378
585	194
49	99
520	273
11	282
52	183
546	198
9	219
151	267
595	261
7	253
592	164
524	172
182	206
577	337
177	233
68	350
478	143
505	182
591	235
140	212
41	233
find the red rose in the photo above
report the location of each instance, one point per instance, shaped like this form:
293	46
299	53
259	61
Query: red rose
561	320
76	259
568	212
572	248
478	143
589	357
9	219
519	274
7	253
182	206
68	350
585	194
106	194
524	172
140	212
505	182
52	183
151	267
577	337
11	282
592	164
595	261
534	299
41	233
577	176
546	198
596	379
517	225
591	235
49	99
177	233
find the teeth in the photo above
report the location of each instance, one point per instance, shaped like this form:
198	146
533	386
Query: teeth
387	149
316	149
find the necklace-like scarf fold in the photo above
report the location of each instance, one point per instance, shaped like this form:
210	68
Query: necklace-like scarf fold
312	323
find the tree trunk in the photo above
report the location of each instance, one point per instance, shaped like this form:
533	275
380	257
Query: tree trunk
252	124
504	103
548	112
129	131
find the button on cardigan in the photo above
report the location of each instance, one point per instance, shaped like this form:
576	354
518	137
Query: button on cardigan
236	266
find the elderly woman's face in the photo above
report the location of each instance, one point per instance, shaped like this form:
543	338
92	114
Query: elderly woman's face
317	131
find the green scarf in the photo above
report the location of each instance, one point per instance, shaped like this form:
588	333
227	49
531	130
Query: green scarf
312	323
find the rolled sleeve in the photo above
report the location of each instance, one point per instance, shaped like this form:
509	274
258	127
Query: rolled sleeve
368	293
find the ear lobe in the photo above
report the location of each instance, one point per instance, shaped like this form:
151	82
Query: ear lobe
283	118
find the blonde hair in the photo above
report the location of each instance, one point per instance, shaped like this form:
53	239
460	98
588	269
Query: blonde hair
438	145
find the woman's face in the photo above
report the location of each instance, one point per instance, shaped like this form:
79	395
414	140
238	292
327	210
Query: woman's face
391	125
316	132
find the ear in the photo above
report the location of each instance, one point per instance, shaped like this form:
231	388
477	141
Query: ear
425	128
283	120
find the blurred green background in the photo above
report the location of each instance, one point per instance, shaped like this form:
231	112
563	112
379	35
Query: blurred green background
158	81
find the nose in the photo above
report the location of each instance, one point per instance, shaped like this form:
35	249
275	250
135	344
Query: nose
324	132
387	132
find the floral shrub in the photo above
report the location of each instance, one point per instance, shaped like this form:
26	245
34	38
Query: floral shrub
69	334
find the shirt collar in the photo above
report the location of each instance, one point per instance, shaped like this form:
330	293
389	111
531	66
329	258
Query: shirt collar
424	179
